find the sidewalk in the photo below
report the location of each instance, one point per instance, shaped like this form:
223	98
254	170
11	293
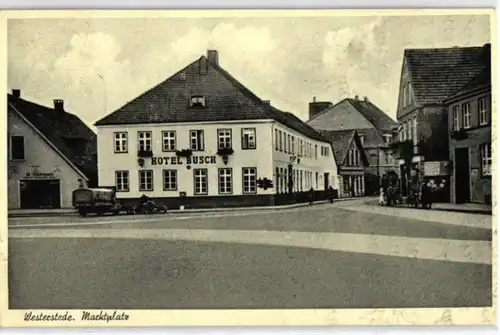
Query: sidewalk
471	208
16	213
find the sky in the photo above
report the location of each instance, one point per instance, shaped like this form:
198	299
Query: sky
98	65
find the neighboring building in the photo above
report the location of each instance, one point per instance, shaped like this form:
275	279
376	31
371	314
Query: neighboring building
374	127
51	153
469	125
428	77
351	159
202	139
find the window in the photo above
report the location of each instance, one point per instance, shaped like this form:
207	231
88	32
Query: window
144	138
317	176
404	132
466	115
387	158
289	143
17	148
248	140
485	151
169	141
276	139
408	130
145	180
293	145
387	138
224	138
281	140
225	181
415	125
200	181
483	109
250	180
278	185
197	140
169	180
197	101
362	140
316	151
456	122
121	142
285	142
122	181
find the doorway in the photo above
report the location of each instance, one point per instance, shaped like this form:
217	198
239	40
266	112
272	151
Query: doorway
326	178
40	194
462	175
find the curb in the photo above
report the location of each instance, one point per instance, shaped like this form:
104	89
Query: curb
194	210
453	210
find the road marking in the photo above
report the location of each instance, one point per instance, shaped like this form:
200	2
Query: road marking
479	252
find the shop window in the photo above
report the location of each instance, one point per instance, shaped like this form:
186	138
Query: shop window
485	152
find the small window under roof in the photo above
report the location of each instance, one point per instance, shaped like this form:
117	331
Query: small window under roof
197	101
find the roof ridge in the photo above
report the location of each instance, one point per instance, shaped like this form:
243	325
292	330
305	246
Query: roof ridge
445	48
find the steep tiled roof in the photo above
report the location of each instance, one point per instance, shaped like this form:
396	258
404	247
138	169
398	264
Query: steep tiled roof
341	141
76	141
373	138
372	113
378	118
438	73
167	102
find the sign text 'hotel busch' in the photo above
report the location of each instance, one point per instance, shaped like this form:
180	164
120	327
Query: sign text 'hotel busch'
183	160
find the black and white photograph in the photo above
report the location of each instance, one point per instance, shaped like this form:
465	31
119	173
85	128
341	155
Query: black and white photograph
316	161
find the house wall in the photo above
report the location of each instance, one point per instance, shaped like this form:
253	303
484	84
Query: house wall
39	157
480	186
265	158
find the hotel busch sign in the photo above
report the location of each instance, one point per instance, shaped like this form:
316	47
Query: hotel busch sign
174	160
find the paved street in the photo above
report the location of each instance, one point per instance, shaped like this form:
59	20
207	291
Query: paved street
346	255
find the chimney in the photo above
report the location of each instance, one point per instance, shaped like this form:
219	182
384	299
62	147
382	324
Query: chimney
356	98
317	107
366	99
213	56
267	102
16	93
59	105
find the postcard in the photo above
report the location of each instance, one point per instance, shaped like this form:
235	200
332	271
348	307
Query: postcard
248	167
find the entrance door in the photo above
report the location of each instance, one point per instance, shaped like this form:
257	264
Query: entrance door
462	175
38	194
326	178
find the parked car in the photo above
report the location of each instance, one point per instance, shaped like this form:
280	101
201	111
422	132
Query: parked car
96	200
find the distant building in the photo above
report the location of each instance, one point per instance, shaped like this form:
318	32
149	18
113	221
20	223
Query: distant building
469	125
202	139
428	78
351	159
51	153
374	127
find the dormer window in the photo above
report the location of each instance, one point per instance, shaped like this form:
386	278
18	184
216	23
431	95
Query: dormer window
197	101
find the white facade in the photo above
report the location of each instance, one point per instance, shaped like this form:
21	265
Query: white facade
172	176
38	175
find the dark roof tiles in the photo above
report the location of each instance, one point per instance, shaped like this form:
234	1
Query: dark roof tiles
76	141
168	102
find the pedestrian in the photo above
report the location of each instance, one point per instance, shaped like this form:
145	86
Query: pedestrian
382	200
330	194
311	196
